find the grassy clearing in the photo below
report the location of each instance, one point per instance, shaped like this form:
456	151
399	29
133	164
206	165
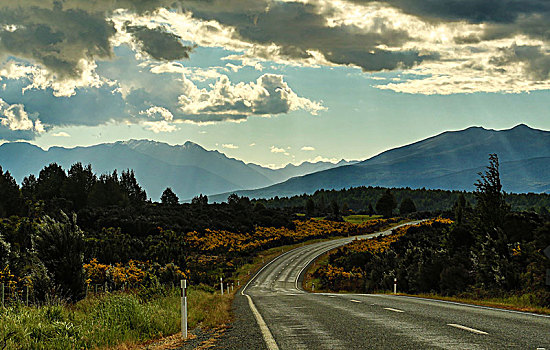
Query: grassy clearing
359	219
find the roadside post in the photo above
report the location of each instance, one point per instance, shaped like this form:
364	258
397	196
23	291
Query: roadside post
184	308
395	285
221	284
547	253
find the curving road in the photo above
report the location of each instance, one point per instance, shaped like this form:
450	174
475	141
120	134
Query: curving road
273	312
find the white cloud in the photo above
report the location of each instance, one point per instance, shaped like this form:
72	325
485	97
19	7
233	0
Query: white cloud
159	126
308	148
252	144
15	118
322	159
156	112
229	146
269	95
61	134
277	149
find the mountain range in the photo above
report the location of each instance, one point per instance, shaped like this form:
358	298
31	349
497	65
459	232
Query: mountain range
188	169
450	160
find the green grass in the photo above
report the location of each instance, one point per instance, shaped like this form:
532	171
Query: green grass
108	320
524	302
359	219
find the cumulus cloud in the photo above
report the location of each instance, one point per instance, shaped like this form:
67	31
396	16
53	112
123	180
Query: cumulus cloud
275	149
229	146
269	95
15	122
308	148
158	113
159	126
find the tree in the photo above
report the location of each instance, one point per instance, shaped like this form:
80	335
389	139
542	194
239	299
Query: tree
200	200
169	197
131	187
370	209
78	185
491	207
60	246
386	204
28	188
407	206
334	208
310	207
107	191
492	253
11	202
50	182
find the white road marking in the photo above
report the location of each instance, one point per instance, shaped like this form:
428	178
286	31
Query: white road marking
470	305
394	310
266	333
354	301
477	331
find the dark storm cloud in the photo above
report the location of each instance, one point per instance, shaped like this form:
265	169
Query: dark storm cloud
58	34
55	38
475	11
298	28
537	62
159	44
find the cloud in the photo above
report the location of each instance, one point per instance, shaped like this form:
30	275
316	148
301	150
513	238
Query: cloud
269	95
159	126
61	134
252	144
15	122
229	146
158	113
159	44
277	149
308	148
322	159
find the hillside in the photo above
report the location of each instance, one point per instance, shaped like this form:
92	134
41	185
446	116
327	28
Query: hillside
188	169
450	160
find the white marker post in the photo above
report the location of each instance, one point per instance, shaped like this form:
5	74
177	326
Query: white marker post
184	308
395	285
221	284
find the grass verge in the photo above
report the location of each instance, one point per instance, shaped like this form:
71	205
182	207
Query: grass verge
523	302
108	320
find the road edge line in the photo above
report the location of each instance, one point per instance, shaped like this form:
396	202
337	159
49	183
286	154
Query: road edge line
266	333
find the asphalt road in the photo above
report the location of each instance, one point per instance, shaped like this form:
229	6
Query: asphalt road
273	312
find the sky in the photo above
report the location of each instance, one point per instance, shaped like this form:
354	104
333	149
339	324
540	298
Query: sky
271	81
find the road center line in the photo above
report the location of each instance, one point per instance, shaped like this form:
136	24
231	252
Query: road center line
354	301
477	331
394	310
